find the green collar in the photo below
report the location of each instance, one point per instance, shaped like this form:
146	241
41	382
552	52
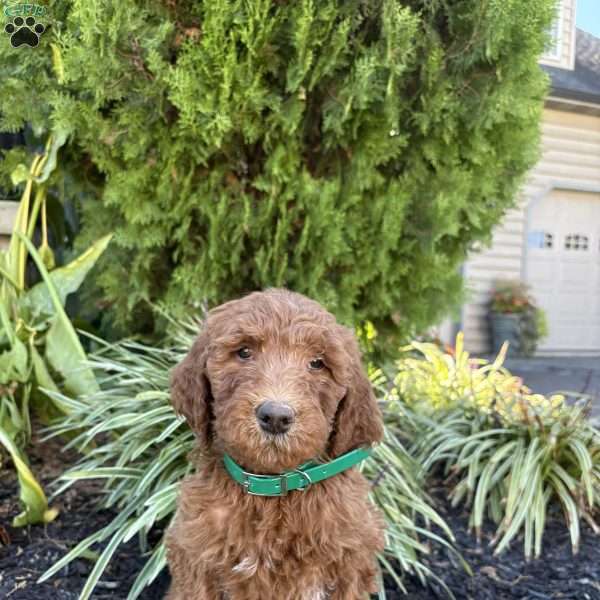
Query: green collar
298	479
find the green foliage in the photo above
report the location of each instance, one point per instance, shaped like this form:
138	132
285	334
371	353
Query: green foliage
33	499
534	327
513	297
430	379
132	438
39	347
511	455
352	150
514	473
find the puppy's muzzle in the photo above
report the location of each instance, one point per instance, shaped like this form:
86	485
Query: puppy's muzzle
274	417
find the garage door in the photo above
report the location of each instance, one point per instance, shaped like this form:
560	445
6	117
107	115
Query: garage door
563	269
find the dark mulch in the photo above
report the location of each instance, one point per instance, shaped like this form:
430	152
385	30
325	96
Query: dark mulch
556	575
27	552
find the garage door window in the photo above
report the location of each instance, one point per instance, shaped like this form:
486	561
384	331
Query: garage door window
542	240
577	241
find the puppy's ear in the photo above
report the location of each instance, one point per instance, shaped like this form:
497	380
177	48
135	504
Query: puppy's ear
358	420
190	389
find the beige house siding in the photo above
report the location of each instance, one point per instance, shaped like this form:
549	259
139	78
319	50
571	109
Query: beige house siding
566	31
8	214
571	161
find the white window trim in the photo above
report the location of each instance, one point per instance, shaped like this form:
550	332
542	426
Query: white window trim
557	53
573	34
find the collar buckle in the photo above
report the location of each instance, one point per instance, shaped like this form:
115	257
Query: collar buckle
307	479
283	484
246	483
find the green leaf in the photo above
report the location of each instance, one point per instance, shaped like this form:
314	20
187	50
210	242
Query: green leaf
65	280
19	175
17	254
55	142
42	376
11	418
8	276
513	522
569	508
540	517
57	63
45	382
31	494
67	357
483	488
47	256
81	550
63	348
156	563
103	472
14	362
585	464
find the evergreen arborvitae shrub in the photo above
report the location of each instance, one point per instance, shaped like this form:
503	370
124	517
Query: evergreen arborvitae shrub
353	150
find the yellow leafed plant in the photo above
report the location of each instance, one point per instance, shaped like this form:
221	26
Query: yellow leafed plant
431	379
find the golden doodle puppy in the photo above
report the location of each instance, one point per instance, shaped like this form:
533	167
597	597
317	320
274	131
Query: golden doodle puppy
277	396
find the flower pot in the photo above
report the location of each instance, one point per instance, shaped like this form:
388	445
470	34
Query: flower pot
506	328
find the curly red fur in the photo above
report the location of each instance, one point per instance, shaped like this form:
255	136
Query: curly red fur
309	545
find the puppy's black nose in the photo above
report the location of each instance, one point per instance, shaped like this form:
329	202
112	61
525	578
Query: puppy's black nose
274	417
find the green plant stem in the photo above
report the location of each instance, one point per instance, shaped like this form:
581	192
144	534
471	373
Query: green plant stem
17	251
10	279
40	200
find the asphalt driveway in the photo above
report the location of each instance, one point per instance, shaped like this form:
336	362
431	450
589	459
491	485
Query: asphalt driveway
568	374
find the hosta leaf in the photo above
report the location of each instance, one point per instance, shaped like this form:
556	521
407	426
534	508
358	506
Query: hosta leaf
14	363
43	377
67	357
35	505
65	281
63	348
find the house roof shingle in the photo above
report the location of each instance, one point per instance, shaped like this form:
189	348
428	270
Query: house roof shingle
582	83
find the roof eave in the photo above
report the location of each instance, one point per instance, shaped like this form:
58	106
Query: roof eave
570	94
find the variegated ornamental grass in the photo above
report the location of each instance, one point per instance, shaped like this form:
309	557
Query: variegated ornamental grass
129	435
512	455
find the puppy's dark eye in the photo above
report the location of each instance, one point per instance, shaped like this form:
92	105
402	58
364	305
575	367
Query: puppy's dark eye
244	353
316	364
